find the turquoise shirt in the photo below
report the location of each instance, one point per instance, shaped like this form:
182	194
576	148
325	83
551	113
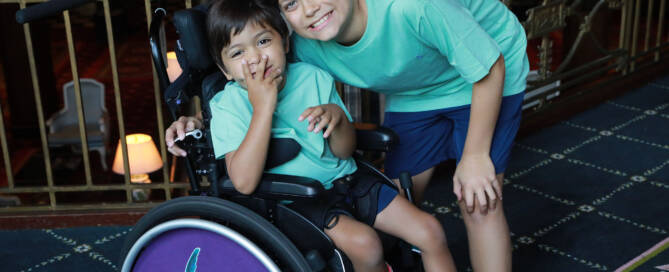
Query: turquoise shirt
306	86
426	54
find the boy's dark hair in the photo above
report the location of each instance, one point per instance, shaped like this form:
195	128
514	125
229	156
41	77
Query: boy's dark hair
229	17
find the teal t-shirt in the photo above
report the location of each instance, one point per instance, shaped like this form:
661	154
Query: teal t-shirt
425	54
306	86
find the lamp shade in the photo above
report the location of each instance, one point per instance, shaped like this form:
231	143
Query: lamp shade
143	155
173	68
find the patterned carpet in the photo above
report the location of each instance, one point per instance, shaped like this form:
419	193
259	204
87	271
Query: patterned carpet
73	249
587	194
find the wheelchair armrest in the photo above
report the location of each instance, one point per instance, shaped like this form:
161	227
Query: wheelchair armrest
279	187
371	137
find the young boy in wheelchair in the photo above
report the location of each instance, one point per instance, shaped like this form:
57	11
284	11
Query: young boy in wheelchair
268	97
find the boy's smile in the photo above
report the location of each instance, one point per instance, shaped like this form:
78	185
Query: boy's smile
324	20
250	45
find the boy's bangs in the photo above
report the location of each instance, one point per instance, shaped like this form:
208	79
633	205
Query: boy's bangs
237	25
227	18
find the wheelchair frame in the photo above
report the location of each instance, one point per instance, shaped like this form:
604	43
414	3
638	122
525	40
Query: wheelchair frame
284	226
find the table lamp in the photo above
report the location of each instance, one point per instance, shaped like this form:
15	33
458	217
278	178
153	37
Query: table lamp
143	158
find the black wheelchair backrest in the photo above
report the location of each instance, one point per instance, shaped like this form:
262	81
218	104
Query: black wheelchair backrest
193	42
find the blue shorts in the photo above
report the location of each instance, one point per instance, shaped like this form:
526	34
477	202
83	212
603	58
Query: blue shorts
427	138
356	200
386	195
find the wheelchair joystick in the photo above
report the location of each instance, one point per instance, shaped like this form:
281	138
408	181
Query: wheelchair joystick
407	184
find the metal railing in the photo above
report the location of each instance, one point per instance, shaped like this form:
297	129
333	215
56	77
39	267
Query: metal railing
608	62
52	189
639	45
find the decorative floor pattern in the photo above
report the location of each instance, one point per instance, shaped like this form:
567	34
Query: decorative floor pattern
71	249
587	194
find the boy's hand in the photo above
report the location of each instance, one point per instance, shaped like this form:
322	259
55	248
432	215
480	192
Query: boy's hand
475	180
321	116
179	128
262	87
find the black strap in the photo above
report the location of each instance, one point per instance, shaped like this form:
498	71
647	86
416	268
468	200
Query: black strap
366	205
364	191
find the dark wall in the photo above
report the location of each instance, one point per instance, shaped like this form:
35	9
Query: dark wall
14	59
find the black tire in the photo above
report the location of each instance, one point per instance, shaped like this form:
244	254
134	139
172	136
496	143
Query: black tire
246	222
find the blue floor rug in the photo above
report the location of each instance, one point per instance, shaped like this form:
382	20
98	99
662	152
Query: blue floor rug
70	249
587	194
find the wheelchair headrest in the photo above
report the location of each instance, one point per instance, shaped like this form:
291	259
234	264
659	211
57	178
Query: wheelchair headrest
191	25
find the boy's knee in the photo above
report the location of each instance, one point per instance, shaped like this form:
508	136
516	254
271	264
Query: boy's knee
365	247
367	240
477	218
427	233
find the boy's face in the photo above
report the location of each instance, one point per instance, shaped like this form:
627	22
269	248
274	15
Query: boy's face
322	20
254	41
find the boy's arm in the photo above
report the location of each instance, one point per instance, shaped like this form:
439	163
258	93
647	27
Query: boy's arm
475	174
333	119
342	138
338	130
246	164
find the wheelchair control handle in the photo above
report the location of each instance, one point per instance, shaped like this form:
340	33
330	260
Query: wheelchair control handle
192	141
407	184
196	133
47	9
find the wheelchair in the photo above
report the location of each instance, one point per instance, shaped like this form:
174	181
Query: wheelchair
217	228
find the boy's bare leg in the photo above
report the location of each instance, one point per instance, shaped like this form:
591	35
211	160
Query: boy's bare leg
360	243
489	238
404	220
420	182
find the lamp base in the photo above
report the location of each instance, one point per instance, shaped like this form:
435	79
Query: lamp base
140	178
140	195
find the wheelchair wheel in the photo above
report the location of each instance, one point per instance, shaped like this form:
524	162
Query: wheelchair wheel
191	243
247	239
